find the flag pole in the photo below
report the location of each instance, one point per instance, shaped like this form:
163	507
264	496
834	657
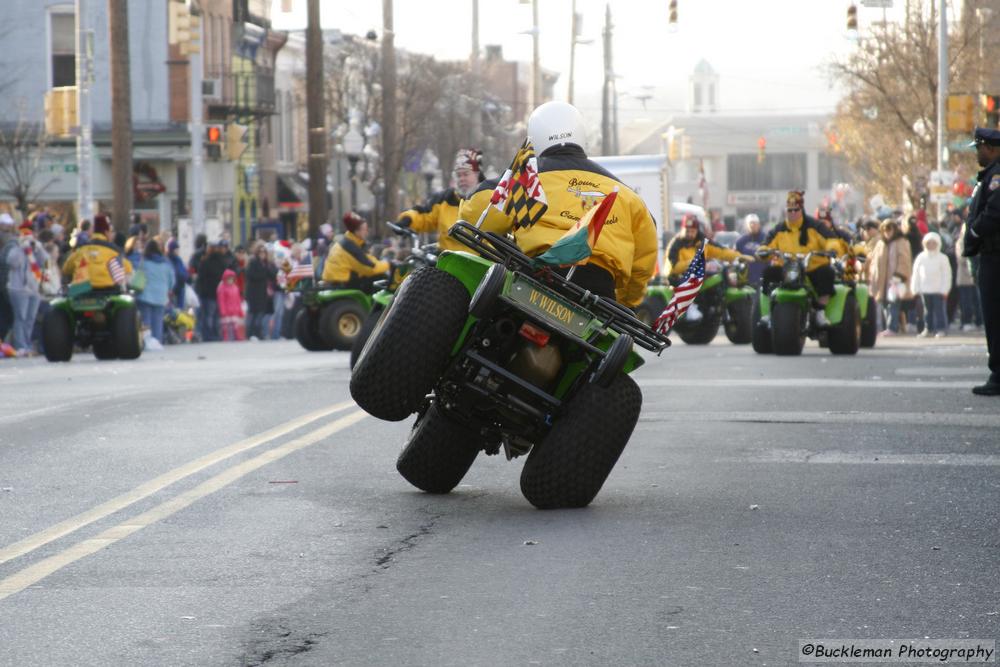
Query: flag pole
482	216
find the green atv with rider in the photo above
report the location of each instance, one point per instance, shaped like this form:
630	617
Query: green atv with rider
782	313
331	318
106	320
420	255
725	298
495	352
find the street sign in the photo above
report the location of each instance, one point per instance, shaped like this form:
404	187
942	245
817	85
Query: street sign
883	4
939	186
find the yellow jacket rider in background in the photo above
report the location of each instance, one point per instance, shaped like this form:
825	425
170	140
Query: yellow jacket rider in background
802	234
349	263
625	256
440	211
90	260
682	249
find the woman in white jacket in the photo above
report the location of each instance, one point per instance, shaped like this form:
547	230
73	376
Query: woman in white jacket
931	280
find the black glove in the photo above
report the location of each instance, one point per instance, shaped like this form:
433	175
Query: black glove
405	221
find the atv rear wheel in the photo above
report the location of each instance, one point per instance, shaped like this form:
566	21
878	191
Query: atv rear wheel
569	467
869	326
307	332
127	333
410	347
760	333
340	323
438	452
739	325
786	329
57	336
845	338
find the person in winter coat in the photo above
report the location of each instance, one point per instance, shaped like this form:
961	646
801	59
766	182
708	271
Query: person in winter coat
8	239
153	299
230	303
261	275
210	272
968	295
350	263
24	261
931	281
889	266
748	244
180	273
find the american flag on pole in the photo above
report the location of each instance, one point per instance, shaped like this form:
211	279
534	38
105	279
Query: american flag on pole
684	293
117	270
519	193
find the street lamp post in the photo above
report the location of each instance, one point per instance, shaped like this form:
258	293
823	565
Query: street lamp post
353	145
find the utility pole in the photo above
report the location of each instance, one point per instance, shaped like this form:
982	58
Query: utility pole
121	115
536	69
85	137
197	133
573	29
942	90
477	103
390	152
606	145
315	120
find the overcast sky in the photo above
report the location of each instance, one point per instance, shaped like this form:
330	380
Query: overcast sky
769	54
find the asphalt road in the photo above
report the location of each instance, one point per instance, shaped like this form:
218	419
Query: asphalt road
227	504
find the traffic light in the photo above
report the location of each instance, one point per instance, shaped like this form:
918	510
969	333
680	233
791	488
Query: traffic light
852	18
685	147
961	113
183	29
673	14
236	140
761	148
60	111
213	141
991	105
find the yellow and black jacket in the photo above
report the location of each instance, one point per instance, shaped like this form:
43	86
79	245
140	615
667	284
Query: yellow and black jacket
572	185
350	259
808	235
437	214
681	251
90	262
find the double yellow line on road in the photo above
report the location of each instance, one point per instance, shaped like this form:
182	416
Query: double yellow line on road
31	575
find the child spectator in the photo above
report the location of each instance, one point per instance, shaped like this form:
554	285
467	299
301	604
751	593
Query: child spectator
230	302
931	281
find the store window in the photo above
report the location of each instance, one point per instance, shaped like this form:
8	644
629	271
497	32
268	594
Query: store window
62	47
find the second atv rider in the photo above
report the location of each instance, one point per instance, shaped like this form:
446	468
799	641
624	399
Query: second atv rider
625	256
440	211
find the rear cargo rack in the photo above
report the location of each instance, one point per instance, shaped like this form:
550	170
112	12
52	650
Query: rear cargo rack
504	251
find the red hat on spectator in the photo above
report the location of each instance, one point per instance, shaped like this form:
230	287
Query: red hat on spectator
101	224
353	221
689	221
26	228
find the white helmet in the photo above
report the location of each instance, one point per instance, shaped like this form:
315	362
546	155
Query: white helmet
752	217
555	124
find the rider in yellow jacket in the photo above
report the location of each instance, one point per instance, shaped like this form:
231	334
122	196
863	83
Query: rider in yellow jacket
625	256
802	234
682	249
90	261
349	263
440	211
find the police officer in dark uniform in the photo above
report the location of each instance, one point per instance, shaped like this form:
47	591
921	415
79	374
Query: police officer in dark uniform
982	239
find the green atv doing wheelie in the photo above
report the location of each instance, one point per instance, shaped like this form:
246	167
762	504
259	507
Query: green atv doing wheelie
420	256
497	352
724	298
330	318
107	320
782	313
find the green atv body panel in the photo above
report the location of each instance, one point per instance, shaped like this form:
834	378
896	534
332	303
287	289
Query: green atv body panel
75	307
324	297
863	297
734	294
835	306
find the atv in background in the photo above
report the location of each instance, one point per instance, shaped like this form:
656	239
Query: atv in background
106	320
330	318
